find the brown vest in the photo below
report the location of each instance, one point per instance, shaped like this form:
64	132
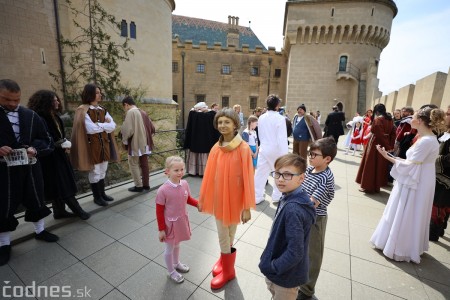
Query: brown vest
98	142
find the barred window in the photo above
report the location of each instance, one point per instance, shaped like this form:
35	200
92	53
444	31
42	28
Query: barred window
277	73
200	68
226	69
225	101
174	67
253	102
200	98
254	71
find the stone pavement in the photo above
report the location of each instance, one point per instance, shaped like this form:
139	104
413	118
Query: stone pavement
116	253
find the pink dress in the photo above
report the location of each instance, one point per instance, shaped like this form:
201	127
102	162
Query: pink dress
174	198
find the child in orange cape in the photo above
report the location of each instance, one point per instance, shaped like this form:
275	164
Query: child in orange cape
228	190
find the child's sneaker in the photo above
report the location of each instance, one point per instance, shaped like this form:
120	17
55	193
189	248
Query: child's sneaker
182	268
177	277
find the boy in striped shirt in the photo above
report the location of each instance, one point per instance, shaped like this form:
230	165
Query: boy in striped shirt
319	185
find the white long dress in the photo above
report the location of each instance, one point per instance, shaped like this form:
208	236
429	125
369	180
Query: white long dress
403	230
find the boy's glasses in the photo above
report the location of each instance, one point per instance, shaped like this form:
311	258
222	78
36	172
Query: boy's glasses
313	154
286	176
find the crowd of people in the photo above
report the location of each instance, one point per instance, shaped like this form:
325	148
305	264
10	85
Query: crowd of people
37	161
234	158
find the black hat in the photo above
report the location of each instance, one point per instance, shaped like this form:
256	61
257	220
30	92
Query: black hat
302	106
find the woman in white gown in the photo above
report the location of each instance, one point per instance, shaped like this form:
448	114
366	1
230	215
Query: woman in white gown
403	230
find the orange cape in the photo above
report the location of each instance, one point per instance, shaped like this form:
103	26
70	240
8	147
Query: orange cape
228	184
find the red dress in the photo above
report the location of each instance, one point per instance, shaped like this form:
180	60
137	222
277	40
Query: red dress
372	173
366	132
357	137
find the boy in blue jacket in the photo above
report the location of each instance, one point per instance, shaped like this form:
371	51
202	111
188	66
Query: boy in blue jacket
285	261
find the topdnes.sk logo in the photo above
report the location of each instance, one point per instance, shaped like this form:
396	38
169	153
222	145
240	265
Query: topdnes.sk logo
52	291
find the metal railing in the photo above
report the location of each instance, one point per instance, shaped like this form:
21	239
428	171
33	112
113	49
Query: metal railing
167	143
352	70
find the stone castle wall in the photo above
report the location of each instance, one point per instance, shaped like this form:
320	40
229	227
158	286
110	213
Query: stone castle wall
238	86
432	89
317	34
28	44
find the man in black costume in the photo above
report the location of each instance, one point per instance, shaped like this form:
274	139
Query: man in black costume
200	137
23	184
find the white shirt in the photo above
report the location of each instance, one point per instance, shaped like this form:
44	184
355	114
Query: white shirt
272	134
92	127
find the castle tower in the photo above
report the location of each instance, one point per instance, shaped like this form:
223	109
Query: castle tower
334	48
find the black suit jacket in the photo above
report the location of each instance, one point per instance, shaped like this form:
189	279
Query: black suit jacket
334	123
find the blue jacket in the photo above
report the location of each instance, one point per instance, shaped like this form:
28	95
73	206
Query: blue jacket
285	259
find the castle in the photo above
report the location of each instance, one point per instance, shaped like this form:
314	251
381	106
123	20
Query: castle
331	53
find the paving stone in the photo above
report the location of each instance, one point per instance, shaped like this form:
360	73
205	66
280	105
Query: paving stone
117	226
151	282
140	213
115	263
85	242
80	282
41	263
145	241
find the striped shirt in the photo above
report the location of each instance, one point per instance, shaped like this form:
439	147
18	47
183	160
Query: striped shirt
321	187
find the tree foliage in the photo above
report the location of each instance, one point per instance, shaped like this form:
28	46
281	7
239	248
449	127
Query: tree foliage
93	55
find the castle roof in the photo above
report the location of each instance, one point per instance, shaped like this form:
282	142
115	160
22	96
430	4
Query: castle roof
187	28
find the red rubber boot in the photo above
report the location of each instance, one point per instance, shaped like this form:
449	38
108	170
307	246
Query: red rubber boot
228	272
217	269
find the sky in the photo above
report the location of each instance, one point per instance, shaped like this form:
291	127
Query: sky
419	43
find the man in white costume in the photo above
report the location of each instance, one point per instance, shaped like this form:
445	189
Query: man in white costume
272	134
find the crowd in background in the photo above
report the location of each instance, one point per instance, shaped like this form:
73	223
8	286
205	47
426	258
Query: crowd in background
408	149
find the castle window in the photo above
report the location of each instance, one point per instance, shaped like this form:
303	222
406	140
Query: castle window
123	28
373	9
133	30
277	73
225	101
332	12
253	102
226	69
175	98
343	63
200	98
254	71
200	68
174	67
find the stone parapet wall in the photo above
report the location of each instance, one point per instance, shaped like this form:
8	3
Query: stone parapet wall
431	89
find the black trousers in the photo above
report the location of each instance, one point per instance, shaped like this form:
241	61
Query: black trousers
21	185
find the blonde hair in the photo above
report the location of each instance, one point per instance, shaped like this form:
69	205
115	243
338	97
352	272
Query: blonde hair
434	118
172	160
237	106
251	119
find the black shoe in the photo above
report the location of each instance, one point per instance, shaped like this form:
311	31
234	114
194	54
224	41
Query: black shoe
62	214
83	215
5	254
107	198
146	188
46	236
100	201
136	189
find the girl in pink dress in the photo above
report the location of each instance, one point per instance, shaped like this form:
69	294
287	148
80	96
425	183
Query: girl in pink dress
172	216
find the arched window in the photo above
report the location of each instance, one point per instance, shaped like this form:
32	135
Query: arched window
343	63
132	30
123	28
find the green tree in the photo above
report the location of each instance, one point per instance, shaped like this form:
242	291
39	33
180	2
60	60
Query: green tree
93	55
